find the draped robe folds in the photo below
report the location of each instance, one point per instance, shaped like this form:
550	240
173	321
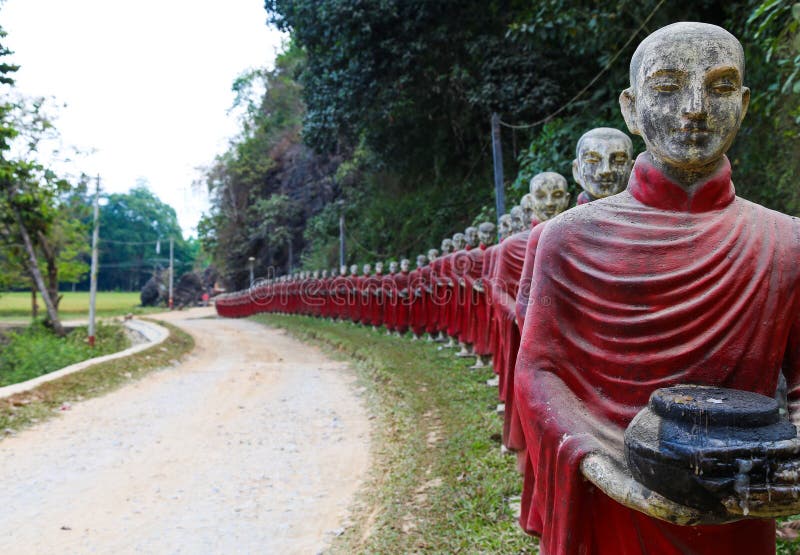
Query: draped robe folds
417	307
427	288
652	288
374	314
444	292
510	260
389	294
402	301
454	272
489	265
474	317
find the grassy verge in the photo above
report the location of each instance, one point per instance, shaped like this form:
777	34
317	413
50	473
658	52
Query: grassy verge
16	305
439	482
36	350
24	409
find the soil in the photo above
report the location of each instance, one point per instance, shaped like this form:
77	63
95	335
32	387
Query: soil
255	443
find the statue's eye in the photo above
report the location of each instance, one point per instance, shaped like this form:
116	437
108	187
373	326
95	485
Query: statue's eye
591	160
723	86
558	194
620	159
666	86
539	195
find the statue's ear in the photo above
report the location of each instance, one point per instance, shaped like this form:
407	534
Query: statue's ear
627	103
745	101
576	174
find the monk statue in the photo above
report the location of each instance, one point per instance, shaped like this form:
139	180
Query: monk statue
442	289
675	281
373	289
477	291
429	285
518	222
549	196
603	162
401	309
464	266
504	226
451	272
417	290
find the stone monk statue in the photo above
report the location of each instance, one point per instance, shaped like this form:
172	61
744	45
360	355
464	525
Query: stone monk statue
602	165
676	280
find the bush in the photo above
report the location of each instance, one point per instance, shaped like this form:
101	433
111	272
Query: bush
36	350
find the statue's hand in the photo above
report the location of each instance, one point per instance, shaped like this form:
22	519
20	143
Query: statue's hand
612	476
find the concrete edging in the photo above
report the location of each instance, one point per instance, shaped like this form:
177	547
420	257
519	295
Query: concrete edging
153	333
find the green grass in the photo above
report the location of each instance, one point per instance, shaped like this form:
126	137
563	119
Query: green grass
439	483
36	350
24	409
16	305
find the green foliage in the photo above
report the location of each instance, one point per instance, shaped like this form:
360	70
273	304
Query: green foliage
766	155
22	410
36	350
132	225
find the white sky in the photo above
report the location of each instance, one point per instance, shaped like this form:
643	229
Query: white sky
147	84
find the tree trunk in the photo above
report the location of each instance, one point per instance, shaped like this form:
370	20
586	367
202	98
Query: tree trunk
33	268
34	303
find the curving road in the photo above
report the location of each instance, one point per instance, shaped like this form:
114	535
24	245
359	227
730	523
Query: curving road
255	443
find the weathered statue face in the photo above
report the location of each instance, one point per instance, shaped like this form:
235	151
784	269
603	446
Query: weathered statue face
686	98
526	203
316	274
421	260
404	265
486	233
549	194
392	267
604	158
471	236
354	269
517	219
505	225
432	255
343	271
447	246
324	274
379	267
367	269
459	241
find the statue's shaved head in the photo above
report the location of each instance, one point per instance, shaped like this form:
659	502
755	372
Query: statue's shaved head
605	133
684	31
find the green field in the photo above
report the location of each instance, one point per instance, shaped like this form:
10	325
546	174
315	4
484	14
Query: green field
75	305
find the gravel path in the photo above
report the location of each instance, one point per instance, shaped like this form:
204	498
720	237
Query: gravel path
256	443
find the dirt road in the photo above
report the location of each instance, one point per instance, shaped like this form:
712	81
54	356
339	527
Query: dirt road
255	443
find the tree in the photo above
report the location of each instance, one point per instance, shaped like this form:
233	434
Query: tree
136	230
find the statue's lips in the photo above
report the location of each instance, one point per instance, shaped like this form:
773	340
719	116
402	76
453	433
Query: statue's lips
694	134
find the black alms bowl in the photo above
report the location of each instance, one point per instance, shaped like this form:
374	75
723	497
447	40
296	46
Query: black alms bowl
698	445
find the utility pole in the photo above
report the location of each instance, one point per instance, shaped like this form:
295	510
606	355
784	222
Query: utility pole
171	270
341	238
497	155
93	271
250	263
291	256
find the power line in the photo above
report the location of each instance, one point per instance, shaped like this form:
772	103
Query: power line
594	80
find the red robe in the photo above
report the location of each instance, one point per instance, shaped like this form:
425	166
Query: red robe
389	295
647	289
417	295
402	301
508	270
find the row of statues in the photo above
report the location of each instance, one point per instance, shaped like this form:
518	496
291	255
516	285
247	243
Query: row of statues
659	278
